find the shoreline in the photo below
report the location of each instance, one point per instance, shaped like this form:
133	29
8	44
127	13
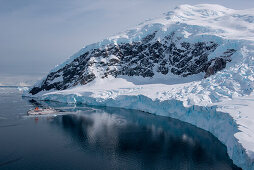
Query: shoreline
220	124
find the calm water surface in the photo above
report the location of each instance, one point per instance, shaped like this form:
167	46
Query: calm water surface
101	138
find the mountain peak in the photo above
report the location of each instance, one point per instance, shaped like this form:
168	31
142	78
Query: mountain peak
214	7
201	10
189	41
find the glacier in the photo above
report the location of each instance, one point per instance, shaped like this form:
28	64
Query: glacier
221	103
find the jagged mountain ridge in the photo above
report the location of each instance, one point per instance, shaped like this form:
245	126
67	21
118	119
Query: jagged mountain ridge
171	45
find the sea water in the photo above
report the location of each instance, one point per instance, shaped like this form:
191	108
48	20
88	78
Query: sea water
83	137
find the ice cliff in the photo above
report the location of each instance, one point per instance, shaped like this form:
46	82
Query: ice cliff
195	63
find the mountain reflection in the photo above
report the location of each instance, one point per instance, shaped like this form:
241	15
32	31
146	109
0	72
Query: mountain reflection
152	142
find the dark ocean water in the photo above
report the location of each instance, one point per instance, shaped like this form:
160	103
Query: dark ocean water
101	138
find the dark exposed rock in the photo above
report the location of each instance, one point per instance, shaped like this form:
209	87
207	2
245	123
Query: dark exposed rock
142	58
219	63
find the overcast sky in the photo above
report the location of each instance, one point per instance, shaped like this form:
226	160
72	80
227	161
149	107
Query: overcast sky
35	35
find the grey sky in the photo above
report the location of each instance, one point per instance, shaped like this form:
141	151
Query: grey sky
35	35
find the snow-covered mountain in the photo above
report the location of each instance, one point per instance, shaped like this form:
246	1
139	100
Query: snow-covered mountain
190	64
188	41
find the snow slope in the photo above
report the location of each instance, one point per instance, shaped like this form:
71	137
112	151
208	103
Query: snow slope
220	103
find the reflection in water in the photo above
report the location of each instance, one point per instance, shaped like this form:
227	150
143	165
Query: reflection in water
101	138
137	140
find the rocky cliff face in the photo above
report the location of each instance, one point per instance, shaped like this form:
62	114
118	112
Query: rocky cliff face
187	41
143	58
